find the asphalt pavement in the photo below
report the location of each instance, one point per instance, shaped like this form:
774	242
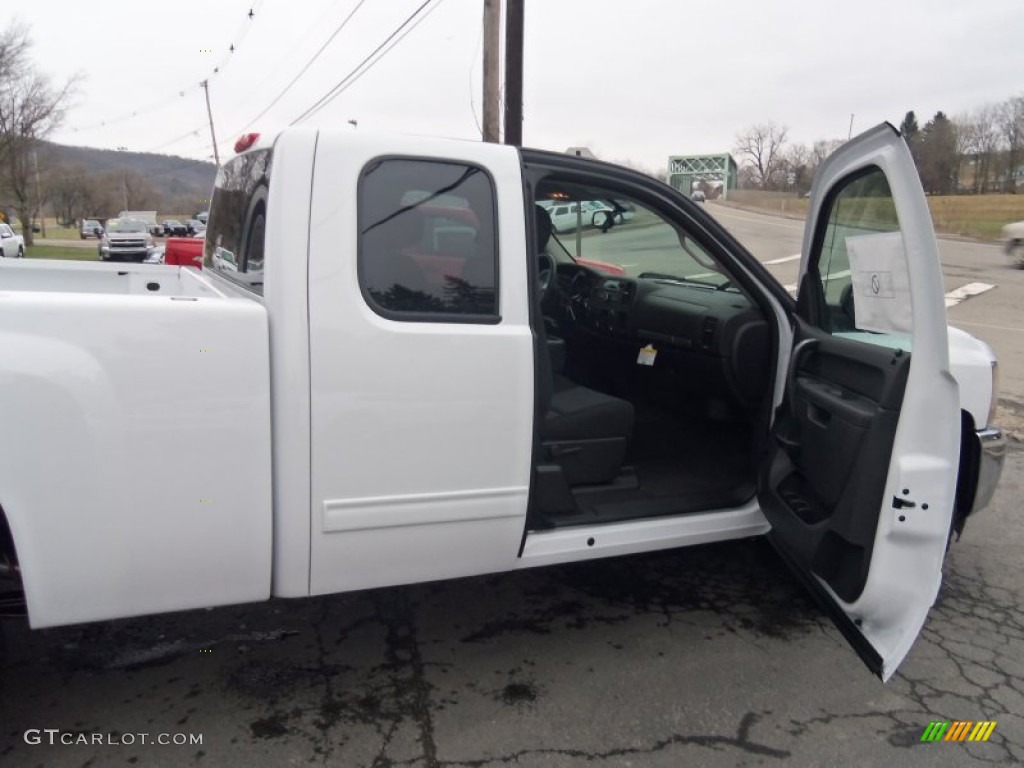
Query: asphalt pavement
709	656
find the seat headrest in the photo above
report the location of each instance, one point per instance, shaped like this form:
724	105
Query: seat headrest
543	225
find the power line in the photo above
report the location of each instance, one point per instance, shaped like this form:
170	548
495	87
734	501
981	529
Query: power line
235	42
191	132
308	64
352	77
154	107
292	50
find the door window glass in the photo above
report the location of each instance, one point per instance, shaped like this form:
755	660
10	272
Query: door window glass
861	262
428	242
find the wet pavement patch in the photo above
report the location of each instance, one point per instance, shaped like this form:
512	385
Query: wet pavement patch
272	727
518	693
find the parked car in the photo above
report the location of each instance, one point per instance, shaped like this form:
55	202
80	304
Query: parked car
192	226
405	402
698	196
566	215
90	228
126	240
1013	240
12	245
174	228
153	227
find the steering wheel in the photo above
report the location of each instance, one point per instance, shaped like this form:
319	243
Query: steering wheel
546	272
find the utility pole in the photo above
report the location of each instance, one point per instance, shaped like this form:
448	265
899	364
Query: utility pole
124	185
213	136
39	196
492	49
514	72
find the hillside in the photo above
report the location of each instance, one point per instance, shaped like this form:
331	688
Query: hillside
83	181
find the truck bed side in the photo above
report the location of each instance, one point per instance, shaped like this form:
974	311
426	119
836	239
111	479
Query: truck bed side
137	435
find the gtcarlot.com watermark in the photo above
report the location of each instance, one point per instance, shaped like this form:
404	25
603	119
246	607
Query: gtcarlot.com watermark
55	736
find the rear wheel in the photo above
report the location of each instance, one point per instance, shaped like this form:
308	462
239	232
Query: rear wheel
21	252
12	594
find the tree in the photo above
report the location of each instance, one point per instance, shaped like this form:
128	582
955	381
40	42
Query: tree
30	109
796	160
760	148
911	133
983	145
936	157
1010	119
909	127
67	192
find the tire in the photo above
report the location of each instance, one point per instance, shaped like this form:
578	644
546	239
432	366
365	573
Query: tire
1015	251
21	252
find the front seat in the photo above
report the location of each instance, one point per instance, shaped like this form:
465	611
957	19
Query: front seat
585	432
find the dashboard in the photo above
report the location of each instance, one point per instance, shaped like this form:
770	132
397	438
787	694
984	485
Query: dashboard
717	335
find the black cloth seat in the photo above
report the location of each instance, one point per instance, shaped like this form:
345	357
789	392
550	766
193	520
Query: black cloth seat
579	413
585	432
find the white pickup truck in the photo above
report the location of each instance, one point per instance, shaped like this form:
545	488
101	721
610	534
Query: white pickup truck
391	371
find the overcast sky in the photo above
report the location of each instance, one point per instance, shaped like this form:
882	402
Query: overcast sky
637	80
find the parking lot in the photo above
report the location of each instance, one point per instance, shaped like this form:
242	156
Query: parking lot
708	656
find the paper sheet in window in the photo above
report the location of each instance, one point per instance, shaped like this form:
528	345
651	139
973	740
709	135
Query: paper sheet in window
881	286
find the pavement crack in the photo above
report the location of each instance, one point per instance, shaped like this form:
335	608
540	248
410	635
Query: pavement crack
403	654
741	741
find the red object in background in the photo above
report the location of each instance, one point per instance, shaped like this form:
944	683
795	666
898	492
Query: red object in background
611	269
184	252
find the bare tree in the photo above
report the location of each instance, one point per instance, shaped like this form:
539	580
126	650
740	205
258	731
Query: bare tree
984	146
30	108
760	148
1011	125
796	161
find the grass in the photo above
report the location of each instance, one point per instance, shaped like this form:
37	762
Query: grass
979	216
61	252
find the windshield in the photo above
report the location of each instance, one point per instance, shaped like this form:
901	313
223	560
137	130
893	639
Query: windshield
643	244
126	225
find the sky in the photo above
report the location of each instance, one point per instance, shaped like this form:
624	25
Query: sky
635	81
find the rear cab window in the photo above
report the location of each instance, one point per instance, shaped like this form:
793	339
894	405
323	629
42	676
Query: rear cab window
237	221
428	247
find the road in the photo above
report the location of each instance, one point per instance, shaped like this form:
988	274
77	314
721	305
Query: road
708	656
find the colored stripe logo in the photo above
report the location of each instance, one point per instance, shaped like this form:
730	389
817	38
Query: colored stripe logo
958	730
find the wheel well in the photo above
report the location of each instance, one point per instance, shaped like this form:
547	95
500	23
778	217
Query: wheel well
12	592
8	554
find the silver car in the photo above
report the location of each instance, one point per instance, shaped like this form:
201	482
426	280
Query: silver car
1013	236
